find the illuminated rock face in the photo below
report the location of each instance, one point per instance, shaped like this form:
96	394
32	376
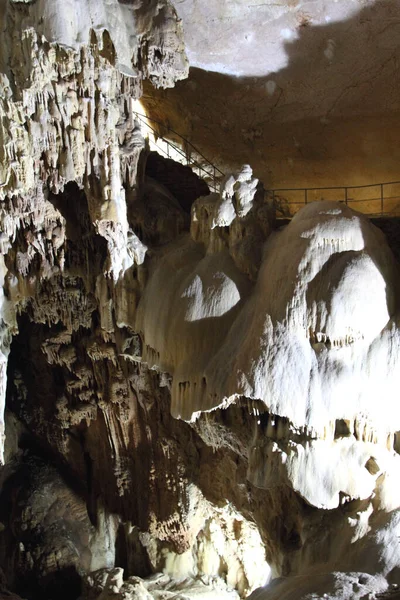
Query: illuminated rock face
313	343
184	393
307	348
65	108
77	219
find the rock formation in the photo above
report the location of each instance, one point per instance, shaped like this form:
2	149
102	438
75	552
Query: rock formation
188	393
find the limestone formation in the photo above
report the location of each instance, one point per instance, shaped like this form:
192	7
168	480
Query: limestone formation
66	99
193	399
110	584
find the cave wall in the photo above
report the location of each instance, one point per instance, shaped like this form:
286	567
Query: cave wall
306	152
163	355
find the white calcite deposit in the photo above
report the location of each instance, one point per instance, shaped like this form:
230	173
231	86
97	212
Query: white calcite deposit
109	583
314	342
311	347
277	351
327	586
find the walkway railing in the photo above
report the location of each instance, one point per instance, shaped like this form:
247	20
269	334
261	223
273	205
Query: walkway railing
374	200
187	154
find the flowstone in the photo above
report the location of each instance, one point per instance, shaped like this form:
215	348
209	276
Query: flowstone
196	401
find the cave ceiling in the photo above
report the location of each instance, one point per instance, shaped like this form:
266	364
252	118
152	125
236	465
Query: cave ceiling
309	90
313	53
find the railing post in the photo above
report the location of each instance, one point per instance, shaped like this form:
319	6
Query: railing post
187	155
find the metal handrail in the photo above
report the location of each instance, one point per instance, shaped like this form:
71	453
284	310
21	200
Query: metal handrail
335	187
188	160
277	198
216	174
